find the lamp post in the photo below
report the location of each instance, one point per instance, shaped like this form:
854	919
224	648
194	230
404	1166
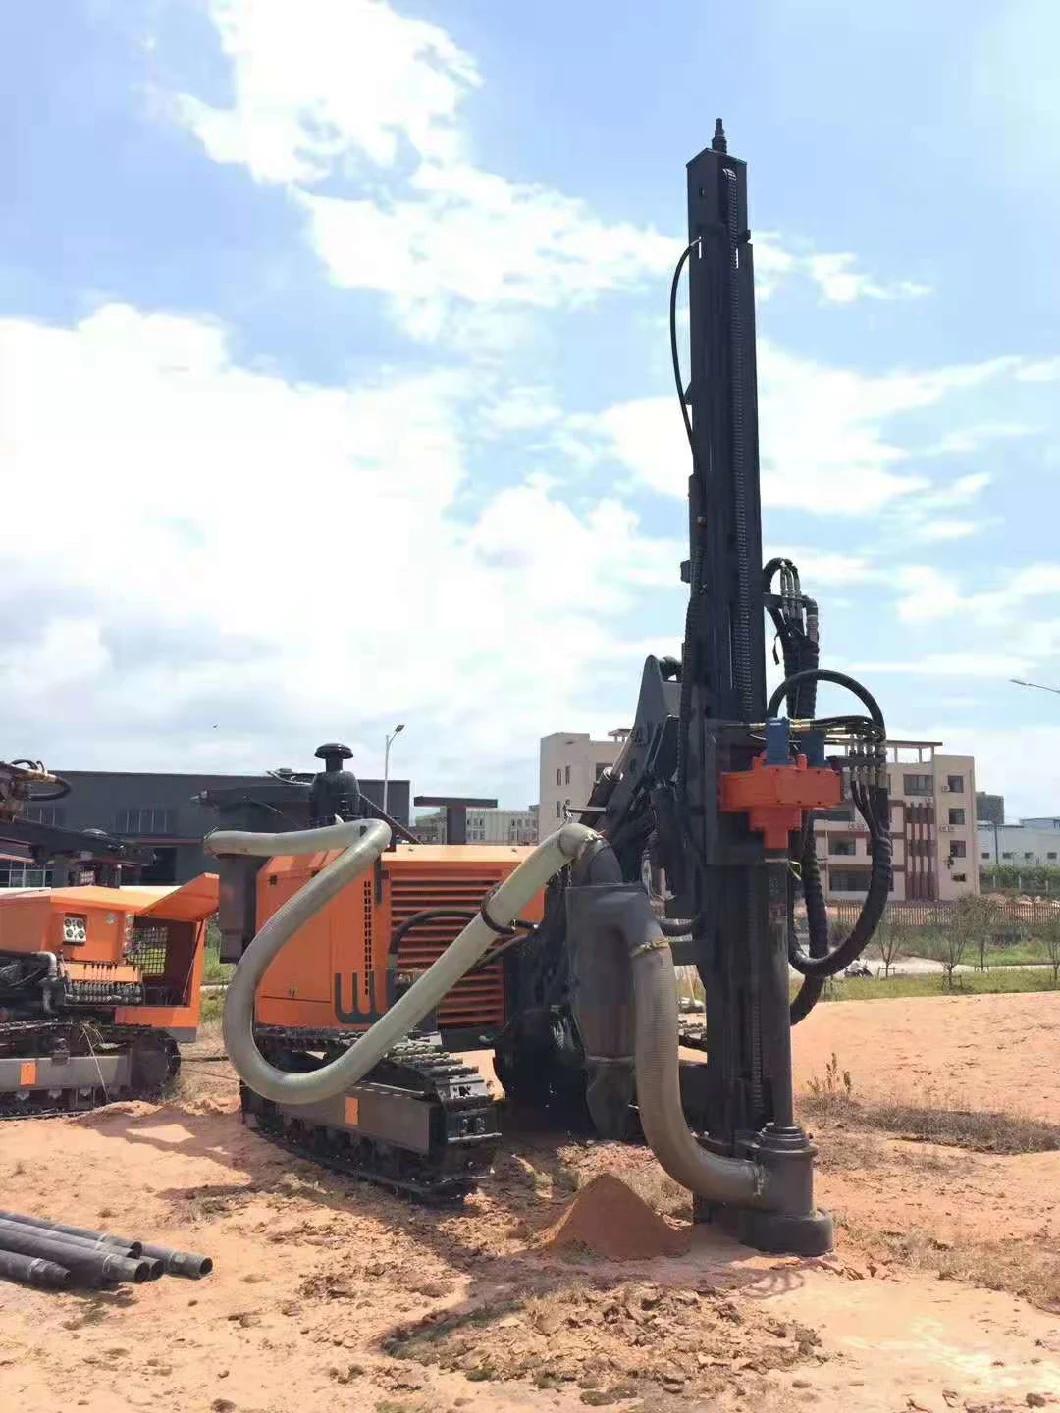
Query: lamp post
1019	682
386	763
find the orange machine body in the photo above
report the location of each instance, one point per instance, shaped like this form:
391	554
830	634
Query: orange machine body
776	798
339	971
143	943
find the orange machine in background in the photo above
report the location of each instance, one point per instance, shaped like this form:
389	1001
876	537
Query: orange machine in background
97	985
346	967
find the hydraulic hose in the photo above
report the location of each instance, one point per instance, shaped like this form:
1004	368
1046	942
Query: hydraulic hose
363	841
826	674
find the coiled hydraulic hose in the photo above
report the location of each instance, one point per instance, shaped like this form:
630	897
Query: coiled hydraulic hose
873	805
362	842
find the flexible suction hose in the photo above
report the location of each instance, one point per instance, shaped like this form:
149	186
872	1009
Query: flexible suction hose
710	1175
624	908
362	841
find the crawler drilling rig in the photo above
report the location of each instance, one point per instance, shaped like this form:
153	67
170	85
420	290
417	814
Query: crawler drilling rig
712	801
97	981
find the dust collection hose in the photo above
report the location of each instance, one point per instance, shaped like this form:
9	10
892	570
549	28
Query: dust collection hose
362	841
625	908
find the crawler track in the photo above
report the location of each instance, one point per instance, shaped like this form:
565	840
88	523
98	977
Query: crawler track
462	1124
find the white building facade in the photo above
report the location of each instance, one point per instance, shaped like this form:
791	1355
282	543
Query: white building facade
484	826
571	764
933	830
1033	841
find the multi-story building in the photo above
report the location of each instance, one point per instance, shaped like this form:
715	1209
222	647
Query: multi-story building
156	810
571	764
933	829
933	816
1034	841
484	826
989	809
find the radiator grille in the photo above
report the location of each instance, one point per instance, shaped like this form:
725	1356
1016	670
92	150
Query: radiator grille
476	1000
369	915
148	949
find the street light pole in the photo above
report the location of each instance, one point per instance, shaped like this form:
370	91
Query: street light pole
1019	682
386	764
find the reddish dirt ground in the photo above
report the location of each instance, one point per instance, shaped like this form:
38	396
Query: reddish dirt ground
330	1295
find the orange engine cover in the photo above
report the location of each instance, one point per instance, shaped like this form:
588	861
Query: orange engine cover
338	971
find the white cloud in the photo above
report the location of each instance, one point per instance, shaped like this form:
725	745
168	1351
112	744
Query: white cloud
824	432
1021	762
324	79
841	282
990	666
352	91
926	594
962	441
1041	370
468	236
932	532
263	564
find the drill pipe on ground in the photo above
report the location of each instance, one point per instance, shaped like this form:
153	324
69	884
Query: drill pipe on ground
32	1270
105	1247
86	1266
126	1247
188	1264
155	1268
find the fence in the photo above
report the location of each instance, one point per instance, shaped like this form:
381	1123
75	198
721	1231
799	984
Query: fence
1013	917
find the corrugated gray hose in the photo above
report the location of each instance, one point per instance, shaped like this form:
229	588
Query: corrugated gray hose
711	1175
362	842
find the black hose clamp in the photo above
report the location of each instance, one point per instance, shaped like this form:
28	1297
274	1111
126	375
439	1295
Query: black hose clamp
501	929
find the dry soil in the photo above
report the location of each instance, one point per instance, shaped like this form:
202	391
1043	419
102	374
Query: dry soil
328	1295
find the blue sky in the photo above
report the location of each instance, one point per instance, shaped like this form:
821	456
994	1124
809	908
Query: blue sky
336	386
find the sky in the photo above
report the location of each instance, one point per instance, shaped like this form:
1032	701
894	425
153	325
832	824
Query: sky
335	385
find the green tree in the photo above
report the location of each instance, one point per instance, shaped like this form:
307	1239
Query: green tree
970	922
1050	935
892	941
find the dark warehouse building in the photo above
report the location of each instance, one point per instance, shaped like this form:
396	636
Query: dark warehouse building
160	811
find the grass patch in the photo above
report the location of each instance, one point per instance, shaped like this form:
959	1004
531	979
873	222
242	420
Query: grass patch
212	1006
977	983
979	1132
1025	1267
214	970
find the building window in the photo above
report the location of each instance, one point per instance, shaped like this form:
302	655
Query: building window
958	849
837	816
956	816
849	880
960	878
45	814
842	848
1006	856
147	821
985	854
1050	856
1028	858
28	875
559	809
916	785
566	775
955	783
559	776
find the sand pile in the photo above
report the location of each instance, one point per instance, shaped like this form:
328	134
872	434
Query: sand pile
610	1220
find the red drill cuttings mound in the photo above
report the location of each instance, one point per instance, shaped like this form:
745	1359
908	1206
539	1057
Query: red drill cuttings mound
609	1219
